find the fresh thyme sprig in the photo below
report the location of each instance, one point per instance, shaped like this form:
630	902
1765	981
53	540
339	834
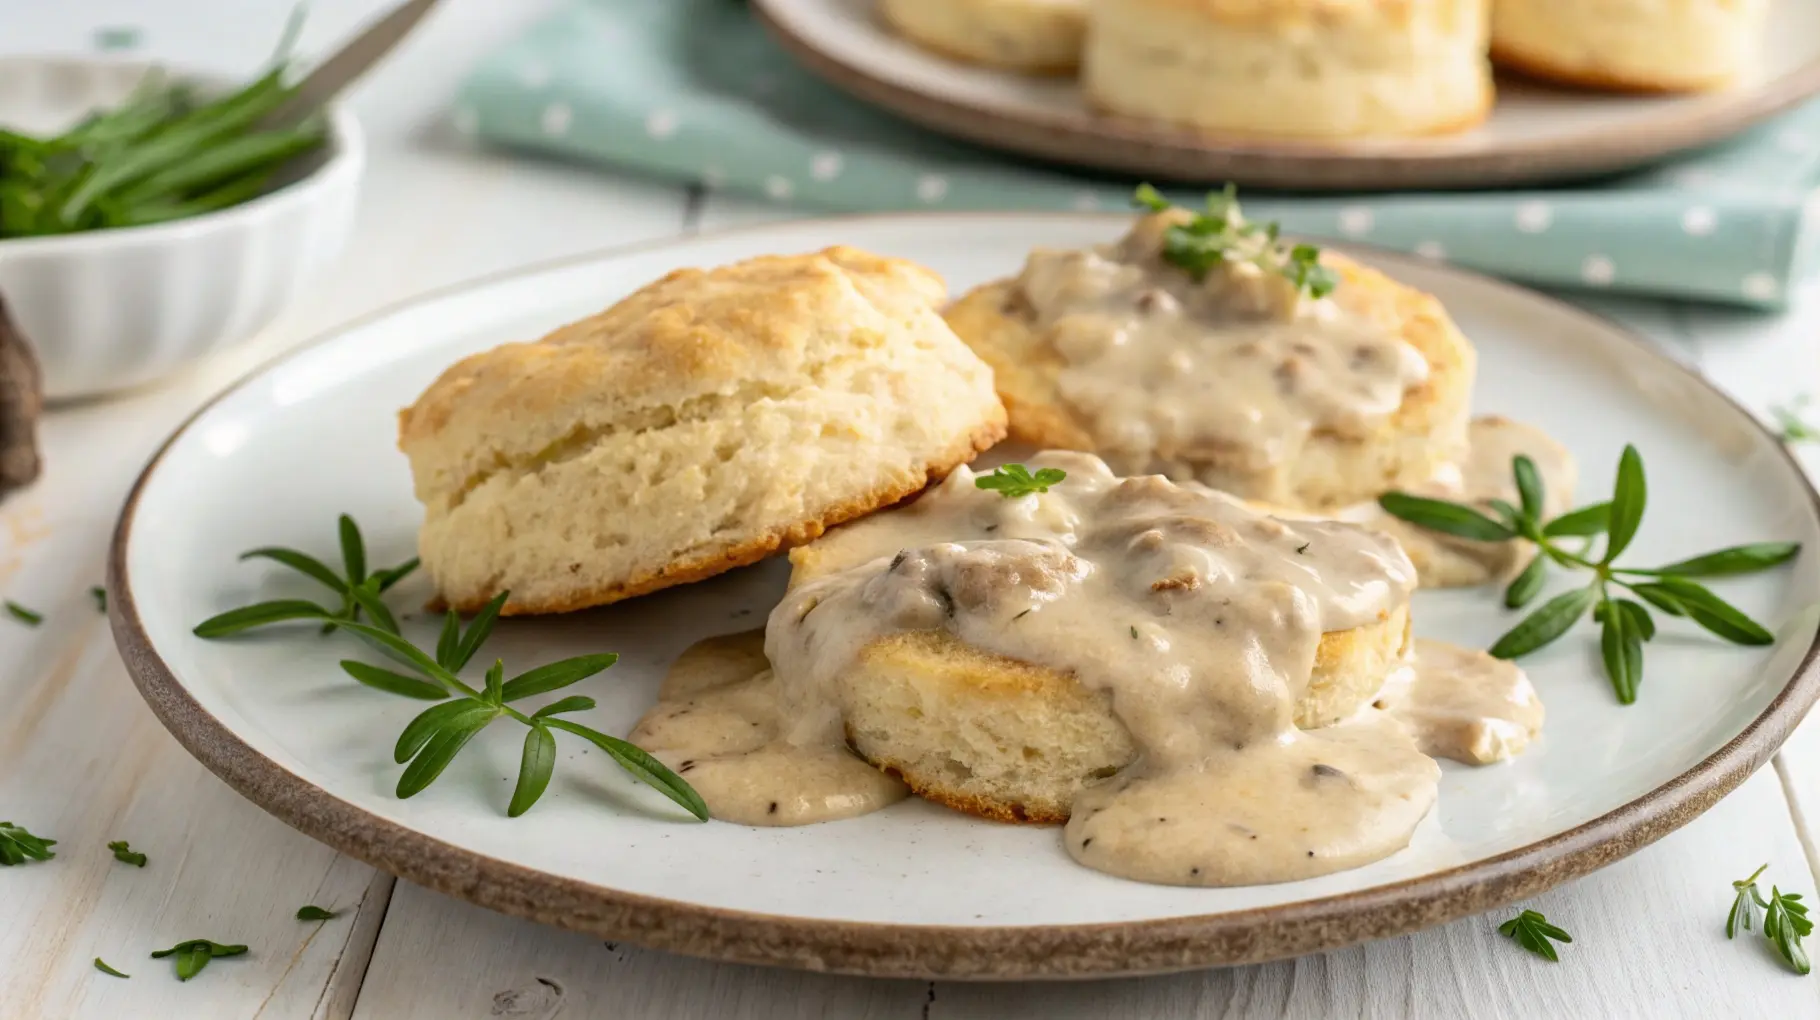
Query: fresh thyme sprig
433	739
1013	480
354	559
1221	234
1532	931
1625	623
195	954
1784	917
18	846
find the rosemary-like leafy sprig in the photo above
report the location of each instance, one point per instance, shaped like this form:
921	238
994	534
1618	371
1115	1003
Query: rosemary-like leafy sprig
354	560
433	739
1625	623
1784	920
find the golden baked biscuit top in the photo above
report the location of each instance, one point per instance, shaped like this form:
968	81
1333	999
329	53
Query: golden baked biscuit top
1272	11
752	329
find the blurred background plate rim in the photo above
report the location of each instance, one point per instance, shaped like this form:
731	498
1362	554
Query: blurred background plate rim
1131	146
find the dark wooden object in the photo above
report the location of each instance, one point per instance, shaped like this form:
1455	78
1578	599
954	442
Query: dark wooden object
21	403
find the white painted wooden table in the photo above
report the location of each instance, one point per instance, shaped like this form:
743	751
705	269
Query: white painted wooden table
83	761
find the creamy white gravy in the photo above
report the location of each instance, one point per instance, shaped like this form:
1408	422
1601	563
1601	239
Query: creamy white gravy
1220	380
1463	704
718	723
1196	615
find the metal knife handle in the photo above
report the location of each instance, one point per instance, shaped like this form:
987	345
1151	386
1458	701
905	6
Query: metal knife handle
350	62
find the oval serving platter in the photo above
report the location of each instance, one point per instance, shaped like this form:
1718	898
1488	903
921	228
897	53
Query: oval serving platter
1535	133
916	890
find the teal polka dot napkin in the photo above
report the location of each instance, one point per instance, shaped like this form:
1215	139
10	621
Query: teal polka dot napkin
694	90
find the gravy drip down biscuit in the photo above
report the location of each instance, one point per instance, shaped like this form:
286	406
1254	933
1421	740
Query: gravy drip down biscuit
1193	618
1232	377
1189	683
700	424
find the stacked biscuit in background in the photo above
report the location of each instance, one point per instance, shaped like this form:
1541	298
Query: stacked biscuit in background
1337	68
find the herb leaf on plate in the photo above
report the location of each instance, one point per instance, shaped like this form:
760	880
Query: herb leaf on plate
1626	624
359	591
436	736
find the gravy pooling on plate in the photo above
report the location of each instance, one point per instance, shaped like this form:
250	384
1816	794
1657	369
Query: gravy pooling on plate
1197	616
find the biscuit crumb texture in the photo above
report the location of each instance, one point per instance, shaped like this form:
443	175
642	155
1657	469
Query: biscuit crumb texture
706	421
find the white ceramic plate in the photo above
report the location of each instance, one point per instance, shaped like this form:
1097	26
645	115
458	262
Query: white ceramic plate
916	889
1536	132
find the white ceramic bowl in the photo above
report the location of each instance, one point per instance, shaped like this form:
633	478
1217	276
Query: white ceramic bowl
112	309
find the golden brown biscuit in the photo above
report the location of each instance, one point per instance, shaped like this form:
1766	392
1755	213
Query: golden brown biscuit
1292	68
1033	36
707	420
1628	45
1004	739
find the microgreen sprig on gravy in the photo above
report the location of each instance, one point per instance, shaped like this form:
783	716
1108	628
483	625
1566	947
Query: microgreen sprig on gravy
1531	930
1784	920
1013	480
357	581
433	739
18	846
1625	623
1221	234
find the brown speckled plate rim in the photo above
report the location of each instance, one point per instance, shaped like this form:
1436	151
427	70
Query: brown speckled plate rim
1129	145
929	951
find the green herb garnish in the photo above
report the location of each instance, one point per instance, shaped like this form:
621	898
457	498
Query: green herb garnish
17	845
126	854
1784	917
1532	931
195	954
433	739
359	590
99	594
1013	480
1792	428
101	965
164	153
314	913
1625	623
1221	234
29	617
